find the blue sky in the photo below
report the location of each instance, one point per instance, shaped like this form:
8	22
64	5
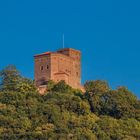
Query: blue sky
106	31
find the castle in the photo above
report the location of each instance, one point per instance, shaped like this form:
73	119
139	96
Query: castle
64	64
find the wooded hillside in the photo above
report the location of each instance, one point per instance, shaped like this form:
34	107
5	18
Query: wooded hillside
64	113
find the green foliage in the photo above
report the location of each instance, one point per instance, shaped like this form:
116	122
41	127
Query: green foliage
62	87
12	80
50	85
96	86
64	113
118	129
9	78
120	103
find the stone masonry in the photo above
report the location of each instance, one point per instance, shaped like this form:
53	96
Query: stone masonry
64	64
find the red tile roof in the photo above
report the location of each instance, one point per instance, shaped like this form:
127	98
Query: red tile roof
46	53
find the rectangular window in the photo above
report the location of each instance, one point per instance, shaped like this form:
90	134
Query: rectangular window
41	68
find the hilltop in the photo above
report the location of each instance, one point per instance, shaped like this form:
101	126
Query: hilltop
64	113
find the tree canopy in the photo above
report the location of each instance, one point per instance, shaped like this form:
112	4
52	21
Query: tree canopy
63	113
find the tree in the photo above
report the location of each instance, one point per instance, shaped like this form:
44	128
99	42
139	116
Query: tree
62	87
93	89
13	81
50	85
9	78
65	113
25	85
96	86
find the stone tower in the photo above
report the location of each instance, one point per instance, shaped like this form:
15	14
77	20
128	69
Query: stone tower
64	64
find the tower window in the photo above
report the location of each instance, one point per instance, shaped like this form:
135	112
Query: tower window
77	73
41	68
47	67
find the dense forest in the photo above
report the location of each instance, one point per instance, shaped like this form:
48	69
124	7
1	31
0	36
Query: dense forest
63	113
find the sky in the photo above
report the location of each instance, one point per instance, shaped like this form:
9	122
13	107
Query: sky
106	31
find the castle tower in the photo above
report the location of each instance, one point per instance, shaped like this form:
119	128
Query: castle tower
64	64
42	68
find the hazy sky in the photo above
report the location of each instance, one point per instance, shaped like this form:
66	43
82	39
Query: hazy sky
106	31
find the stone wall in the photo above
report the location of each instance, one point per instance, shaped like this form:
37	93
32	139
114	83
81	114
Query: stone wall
64	64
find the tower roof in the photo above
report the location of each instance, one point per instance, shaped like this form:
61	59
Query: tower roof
45	53
65	49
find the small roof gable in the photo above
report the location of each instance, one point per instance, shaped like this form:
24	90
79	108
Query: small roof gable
61	72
